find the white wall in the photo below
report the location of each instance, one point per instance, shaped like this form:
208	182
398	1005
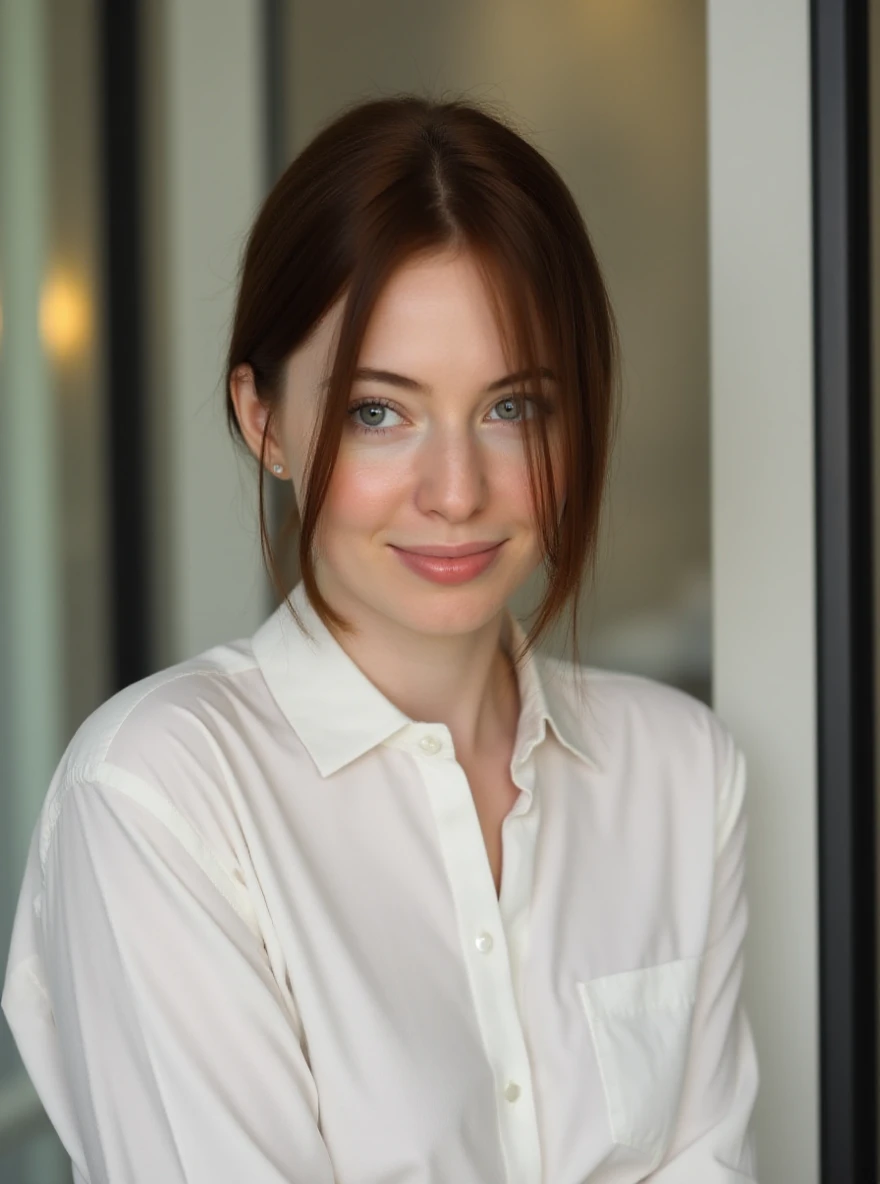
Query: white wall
763	532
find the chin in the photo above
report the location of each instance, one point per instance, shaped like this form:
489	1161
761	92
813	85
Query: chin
432	609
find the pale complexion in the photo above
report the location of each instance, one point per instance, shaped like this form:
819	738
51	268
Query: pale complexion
450	467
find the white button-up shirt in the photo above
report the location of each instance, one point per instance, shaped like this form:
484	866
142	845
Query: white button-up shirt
258	939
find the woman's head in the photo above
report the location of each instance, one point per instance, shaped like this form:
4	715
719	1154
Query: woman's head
429	241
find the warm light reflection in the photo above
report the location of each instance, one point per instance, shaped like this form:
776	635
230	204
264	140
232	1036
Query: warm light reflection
65	316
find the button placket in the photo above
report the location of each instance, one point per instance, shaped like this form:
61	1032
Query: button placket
483	931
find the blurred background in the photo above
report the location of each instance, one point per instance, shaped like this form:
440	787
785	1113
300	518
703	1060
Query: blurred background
136	144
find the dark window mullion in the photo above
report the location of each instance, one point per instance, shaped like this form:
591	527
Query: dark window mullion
845	624
127	429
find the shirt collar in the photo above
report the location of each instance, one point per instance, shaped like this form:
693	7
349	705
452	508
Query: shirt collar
339	714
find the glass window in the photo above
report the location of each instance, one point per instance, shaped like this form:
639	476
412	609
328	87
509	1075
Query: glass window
53	591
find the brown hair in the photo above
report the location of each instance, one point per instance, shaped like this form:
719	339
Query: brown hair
394	177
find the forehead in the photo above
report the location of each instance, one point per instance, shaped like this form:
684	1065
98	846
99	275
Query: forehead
435	313
435	319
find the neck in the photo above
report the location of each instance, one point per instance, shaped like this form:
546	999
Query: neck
466	681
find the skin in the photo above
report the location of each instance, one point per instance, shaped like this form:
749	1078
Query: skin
450	468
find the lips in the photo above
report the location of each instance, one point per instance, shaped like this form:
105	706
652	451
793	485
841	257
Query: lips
450	552
446	569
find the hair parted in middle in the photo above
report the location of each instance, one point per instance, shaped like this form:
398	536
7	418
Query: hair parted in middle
387	180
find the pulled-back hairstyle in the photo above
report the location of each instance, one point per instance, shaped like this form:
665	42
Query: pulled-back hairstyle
398	176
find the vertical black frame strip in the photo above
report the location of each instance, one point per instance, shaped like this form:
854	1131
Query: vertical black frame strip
845	624
127	434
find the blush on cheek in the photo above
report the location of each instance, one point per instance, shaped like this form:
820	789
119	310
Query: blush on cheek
361	498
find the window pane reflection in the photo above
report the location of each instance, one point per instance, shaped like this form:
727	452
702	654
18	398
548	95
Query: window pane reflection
53	608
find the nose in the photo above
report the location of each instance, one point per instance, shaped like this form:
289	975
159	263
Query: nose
452	474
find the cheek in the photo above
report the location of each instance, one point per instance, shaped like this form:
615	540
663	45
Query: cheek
362	493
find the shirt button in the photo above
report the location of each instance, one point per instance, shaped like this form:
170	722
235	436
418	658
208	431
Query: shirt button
430	744
511	1091
484	943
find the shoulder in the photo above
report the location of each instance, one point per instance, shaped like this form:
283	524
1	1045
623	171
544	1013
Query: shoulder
175	701
630	719
164	743
667	757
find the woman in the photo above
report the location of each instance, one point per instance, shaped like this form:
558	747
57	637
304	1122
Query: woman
385	893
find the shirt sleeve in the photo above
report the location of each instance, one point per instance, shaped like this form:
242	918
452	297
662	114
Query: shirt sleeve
180	1058
713	1141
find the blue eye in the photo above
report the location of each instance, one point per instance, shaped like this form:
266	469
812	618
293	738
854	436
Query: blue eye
376	404
537	403
511	401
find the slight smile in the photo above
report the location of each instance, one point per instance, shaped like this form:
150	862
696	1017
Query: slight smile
450	569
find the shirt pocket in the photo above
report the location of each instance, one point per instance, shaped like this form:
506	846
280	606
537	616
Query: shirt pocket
640	1022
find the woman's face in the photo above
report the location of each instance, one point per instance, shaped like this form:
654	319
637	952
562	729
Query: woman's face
440	460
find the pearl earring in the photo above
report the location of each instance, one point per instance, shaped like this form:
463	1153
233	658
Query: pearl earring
277	468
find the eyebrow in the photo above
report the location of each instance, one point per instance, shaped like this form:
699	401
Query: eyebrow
365	373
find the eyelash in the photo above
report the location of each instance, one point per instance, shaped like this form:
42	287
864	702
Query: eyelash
539	402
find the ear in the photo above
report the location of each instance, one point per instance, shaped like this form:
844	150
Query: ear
252	413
